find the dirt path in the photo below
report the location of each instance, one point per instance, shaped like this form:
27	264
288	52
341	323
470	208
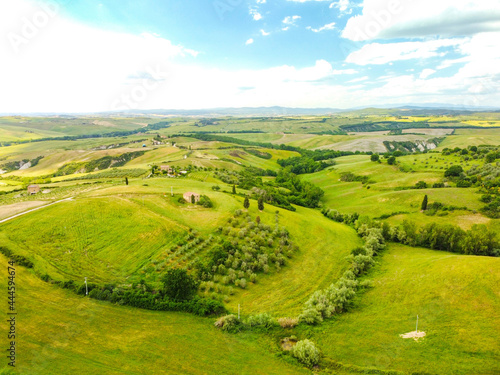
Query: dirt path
33	209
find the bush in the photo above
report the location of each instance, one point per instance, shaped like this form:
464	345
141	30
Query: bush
306	352
288	322
178	285
228	322
261	320
310	316
453	171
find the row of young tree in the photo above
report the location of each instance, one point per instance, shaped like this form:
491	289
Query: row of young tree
479	240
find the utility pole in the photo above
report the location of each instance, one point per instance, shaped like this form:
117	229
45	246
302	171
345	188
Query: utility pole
86	288
416	329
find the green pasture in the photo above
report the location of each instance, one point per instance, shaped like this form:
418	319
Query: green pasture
323	246
85	238
456	298
62	333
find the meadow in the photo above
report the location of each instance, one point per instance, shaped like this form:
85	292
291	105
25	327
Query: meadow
126	225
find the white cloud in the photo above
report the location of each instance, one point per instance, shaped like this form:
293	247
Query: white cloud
249	41
70	67
290	20
344	6
329	26
377	53
382	19
255	14
261	1
305	1
360	79
285	28
426	73
264	33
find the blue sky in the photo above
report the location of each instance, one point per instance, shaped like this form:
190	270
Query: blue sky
87	56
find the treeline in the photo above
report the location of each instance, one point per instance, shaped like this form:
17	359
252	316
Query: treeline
384	125
203	136
312	161
479	240
286	189
98	164
16	165
138	295
338	297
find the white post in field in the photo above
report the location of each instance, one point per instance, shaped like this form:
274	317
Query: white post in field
416	329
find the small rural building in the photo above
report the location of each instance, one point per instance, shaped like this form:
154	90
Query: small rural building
166	168
33	189
187	196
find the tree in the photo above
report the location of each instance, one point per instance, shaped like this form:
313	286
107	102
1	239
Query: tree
490	158
421	185
260	203
424	203
234	189
375	157
453	171
257	219
192	198
246	203
178	285
391	160
126	180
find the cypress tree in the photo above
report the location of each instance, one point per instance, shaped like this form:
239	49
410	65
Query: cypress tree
260	203
234	189
424	203
126	180
246	203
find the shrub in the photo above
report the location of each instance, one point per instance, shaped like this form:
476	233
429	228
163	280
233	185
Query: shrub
310	316
228	322
288	322
453	171
262	320
178	285
306	352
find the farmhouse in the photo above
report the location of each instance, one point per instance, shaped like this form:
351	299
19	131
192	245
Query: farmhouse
166	168
187	196
33	189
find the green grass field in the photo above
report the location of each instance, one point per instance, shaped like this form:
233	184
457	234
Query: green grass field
84	238
323	245
61	333
113	232
457	300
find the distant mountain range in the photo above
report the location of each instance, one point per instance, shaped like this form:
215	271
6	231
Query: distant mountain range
388	109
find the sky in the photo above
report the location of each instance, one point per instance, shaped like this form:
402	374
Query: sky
78	56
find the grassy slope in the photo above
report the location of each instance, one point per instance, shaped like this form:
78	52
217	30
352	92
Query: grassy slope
60	333
323	246
84	237
381	198
472	137
458	303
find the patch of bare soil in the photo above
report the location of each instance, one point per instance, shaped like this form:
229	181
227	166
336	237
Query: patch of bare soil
415	335
287	343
